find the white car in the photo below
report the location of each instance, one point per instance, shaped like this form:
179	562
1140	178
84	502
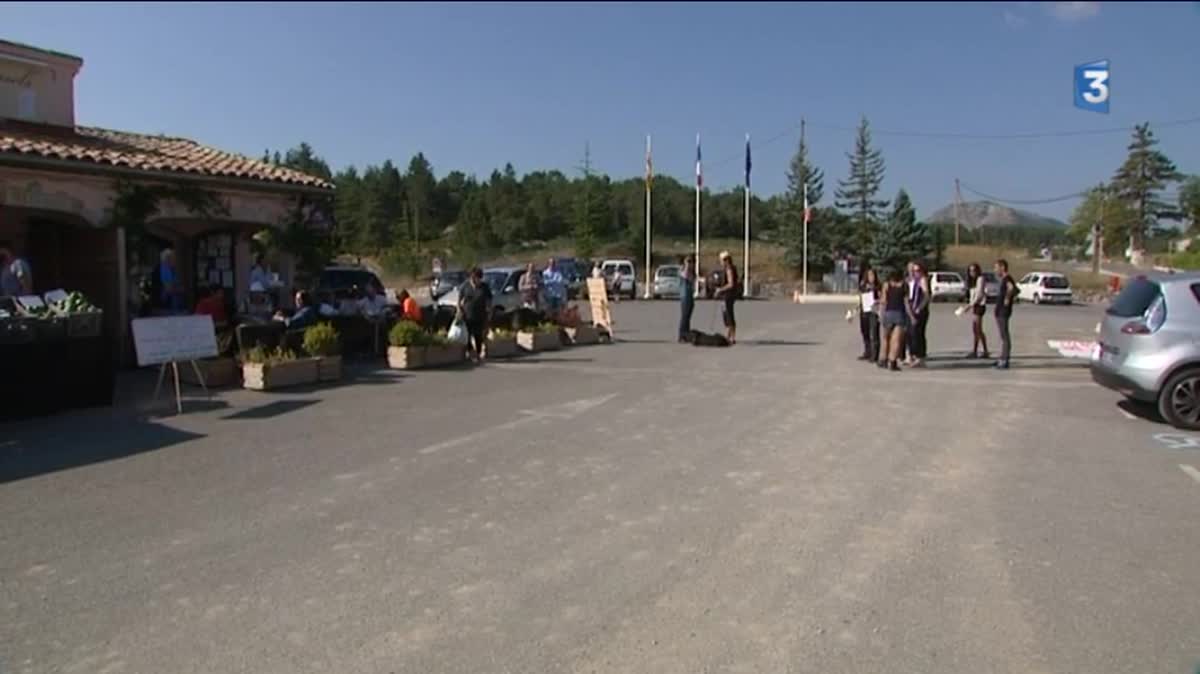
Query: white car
627	285
1045	287
667	282
947	286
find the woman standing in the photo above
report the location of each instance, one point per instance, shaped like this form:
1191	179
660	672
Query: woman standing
868	315
918	315
729	294
475	304
978	307
894	298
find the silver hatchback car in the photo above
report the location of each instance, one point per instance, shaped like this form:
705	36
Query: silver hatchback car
1149	345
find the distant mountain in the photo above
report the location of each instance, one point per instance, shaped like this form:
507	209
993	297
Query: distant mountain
987	214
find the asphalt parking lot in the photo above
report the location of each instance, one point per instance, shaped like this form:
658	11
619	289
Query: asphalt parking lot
639	507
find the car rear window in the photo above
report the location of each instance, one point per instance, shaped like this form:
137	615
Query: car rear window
668	272
949	278
1056	282
1135	299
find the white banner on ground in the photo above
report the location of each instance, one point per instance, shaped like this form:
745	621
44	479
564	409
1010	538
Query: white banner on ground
1073	348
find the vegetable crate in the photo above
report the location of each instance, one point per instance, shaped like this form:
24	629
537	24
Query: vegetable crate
85	324
329	368
417	357
583	335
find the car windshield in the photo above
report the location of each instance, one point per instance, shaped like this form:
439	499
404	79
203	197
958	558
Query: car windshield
345	278
990	277
1135	299
454	278
668	272
1056	282
950	278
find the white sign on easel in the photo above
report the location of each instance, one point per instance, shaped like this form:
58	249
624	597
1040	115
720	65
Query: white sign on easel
168	340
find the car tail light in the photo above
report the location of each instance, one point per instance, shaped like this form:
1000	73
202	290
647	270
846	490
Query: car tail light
1135	328
1150	322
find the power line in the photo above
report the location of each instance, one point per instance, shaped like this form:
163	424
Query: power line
1026	202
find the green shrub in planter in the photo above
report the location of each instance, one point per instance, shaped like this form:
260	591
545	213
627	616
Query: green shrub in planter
408	333
547	328
262	356
321	340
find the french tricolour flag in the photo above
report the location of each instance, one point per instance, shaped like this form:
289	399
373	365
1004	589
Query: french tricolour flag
699	172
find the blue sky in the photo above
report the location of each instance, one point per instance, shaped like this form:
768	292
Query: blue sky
476	85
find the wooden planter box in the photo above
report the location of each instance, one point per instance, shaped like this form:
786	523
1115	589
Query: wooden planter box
534	342
503	347
261	377
217	372
416	357
583	335
329	368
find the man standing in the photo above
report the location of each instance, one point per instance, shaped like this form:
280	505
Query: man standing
556	288
687	298
171	294
16	278
1004	309
475	303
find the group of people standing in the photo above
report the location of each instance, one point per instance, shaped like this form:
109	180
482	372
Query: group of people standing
894	315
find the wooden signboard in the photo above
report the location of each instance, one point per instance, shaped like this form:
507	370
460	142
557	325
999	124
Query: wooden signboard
598	296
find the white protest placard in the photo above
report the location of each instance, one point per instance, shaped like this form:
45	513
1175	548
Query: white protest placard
173	338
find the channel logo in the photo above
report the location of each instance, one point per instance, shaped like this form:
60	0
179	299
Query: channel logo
1092	86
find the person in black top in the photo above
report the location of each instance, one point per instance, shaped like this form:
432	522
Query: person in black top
895	318
475	304
729	293
868	316
1004	309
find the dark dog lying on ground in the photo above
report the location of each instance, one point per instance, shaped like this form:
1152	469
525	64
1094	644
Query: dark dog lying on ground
698	338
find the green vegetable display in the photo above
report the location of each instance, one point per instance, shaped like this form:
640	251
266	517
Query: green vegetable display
73	303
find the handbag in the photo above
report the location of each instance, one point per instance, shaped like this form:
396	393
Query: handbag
457	334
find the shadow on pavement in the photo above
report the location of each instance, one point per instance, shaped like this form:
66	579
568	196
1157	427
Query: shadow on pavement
534	360
1143	411
164	407
84	441
646	341
1016	364
277	408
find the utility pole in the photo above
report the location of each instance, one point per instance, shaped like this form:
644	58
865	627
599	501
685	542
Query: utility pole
957	213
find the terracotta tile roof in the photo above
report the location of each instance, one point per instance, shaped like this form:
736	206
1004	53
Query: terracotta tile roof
141	152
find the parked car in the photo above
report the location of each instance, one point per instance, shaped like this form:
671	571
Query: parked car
667	282
628	283
947	286
714	280
575	275
1043	286
446	281
505	283
340	282
1148	347
991	286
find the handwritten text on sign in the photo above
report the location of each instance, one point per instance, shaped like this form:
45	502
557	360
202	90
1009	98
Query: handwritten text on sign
173	338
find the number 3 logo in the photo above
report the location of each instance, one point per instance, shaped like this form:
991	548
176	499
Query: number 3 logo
1097	83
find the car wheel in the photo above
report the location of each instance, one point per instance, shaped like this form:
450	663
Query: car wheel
1179	401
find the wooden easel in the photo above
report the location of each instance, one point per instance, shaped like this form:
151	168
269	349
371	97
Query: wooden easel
174	365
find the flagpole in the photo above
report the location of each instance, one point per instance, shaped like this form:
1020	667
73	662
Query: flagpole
649	281
746	244
804	274
698	180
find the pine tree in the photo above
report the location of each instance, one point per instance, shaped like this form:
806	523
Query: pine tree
1189	202
801	172
901	238
420	185
856	194
1145	172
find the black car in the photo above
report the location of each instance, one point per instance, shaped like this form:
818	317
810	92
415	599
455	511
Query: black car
714	280
346	282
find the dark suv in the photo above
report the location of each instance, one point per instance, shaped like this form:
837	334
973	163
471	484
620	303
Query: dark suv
344	282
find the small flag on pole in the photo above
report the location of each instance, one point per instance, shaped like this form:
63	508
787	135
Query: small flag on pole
699	173
747	161
649	166
807	210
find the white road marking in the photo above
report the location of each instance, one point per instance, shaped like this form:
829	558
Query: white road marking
1177	440
1127	415
560	411
1190	471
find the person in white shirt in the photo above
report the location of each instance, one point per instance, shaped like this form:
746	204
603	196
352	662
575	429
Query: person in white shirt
259	274
374	304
